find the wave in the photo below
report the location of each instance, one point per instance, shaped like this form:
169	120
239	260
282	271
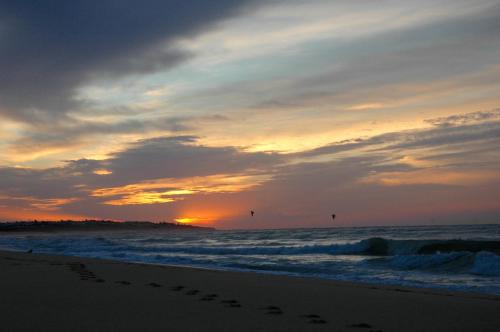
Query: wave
483	263
384	247
375	246
369	257
369	247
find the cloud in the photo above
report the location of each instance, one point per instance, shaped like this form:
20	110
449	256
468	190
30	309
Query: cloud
170	189
180	157
457	129
447	136
433	176
49	49
53	140
467	118
340	70
151	171
177	178
49	204
378	72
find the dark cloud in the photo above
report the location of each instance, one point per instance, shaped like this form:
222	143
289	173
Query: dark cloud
376	66
163	157
461	119
43	184
294	193
447	136
182	156
73	132
50	48
179	157
445	132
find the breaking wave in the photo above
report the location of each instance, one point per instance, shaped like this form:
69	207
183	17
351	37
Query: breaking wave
482	263
383	247
468	259
371	247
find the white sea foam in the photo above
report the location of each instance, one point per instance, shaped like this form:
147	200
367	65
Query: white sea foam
415	256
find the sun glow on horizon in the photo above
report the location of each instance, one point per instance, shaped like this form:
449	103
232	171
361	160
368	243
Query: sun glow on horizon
192	220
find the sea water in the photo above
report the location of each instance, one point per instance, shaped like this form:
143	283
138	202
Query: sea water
464	258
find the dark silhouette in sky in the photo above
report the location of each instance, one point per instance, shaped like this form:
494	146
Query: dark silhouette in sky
252	213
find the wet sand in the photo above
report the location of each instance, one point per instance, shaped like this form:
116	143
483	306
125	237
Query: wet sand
60	293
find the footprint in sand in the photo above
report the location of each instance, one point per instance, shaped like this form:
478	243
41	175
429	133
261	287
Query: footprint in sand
177	288
208	297
402	290
192	292
123	282
82	271
228	301
314	319
153	284
231	303
360	326
273	310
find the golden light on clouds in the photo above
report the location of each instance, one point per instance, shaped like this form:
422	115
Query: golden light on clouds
52	204
313	99
47	204
432	176
170	189
367	106
141	198
102	172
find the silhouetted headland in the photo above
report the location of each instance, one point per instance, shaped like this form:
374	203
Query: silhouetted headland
92	225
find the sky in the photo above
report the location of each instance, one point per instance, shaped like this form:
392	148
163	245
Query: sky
383	112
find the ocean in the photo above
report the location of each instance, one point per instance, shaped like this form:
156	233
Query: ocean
461	258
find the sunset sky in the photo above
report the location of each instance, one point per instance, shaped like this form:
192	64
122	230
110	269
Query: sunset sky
382	112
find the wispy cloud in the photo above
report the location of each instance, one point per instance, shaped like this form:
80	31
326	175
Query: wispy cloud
383	110
51	50
178	174
169	190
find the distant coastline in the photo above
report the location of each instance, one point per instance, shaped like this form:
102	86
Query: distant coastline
91	225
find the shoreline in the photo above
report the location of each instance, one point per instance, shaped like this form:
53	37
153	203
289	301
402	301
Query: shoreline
438	291
42	292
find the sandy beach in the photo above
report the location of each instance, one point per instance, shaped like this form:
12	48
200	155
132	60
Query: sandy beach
59	293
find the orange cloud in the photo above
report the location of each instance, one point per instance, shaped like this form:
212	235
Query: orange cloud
432	176
168	190
102	172
47	204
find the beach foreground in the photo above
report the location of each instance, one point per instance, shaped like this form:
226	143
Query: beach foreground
60	293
